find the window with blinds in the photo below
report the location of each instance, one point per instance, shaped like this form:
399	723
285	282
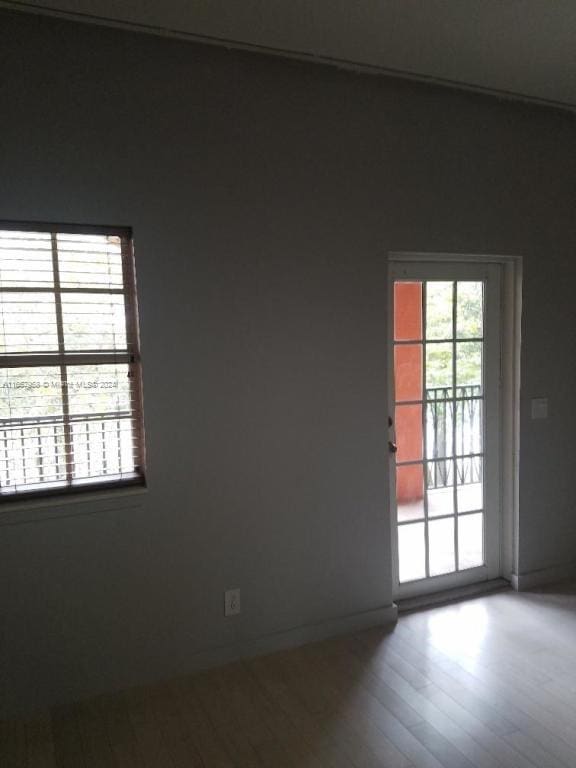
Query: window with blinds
70	385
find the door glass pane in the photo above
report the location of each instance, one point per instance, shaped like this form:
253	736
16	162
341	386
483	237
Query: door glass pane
438	369
469	497
470	486
440	490
441	543
470	541
439	431
410	492
412	552
439	473
441	501
409	432
468	427
469	310
439	298
407	311
469	366
408	371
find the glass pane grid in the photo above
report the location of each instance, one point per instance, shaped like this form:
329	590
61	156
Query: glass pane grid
439	519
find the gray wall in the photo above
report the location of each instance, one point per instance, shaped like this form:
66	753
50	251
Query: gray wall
264	196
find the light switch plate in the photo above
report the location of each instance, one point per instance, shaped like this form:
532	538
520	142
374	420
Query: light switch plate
539	407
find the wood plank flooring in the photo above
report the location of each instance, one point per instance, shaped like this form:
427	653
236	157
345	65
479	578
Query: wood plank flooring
486	683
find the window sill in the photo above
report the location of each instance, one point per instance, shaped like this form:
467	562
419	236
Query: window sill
35	509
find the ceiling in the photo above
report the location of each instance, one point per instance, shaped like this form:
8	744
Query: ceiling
524	48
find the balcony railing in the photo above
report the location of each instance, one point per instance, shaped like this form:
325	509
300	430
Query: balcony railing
33	451
453	428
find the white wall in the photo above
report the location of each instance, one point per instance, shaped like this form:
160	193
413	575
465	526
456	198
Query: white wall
518	46
264	196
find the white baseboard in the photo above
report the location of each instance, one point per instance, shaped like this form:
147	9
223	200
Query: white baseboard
28	703
292	638
524	581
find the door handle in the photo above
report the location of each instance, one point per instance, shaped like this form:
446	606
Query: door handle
392	447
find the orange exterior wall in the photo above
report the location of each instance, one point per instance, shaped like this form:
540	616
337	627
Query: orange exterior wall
408	386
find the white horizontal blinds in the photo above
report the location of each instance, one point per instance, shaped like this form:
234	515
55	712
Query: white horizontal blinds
93	304
28	317
90	261
69	376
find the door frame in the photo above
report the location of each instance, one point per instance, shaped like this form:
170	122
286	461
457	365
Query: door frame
510	299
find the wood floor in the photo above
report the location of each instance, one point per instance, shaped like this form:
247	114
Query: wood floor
488	682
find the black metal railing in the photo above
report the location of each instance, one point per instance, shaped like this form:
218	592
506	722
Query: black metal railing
453	428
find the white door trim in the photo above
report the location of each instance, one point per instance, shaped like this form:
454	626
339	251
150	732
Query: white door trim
509	405
476	258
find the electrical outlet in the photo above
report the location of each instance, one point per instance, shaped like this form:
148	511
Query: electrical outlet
231	602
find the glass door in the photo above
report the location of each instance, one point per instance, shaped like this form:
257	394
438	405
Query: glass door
445	424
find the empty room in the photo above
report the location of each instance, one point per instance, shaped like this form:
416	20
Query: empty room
287	360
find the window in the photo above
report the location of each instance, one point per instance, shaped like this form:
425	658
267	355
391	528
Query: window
70	385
